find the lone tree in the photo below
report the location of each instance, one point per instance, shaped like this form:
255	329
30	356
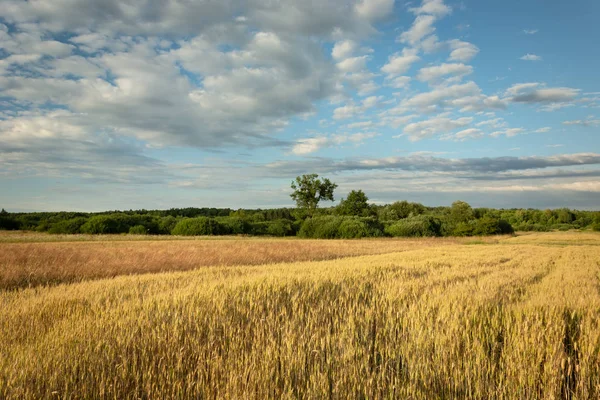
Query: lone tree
309	191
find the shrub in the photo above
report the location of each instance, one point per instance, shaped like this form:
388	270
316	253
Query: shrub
235	225
308	227
492	226
259	228
505	227
7	223
321	227
197	227
138	230
529	227
102	224
375	228
280	227
166	224
562	227
352	228
464	229
419	226
596	227
69	226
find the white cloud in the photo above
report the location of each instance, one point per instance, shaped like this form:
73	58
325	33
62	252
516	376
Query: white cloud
551	107
585	122
396	122
532	93
543	130
530	31
462	51
400	63
399	82
521	87
421	27
495	123
200	93
471	133
311	145
371	101
434	7
510	132
531	57
430	44
450	166
360	125
466	97
347	111
353	64
374	9
344	49
442	95
434	126
434	73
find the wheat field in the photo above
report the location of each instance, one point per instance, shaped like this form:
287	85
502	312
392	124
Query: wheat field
494	318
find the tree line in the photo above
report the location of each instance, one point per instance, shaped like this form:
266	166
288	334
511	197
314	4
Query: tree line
353	217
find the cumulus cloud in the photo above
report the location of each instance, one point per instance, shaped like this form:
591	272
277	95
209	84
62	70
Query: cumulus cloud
494	123
201	74
353	64
400	63
462	51
89	87
360	125
434	126
583	122
510	132
399	82
311	145
429	74
465	134
465	97
536	93
170	17
433	7
531	57
374	9
347	111
421	27
59	144
344	49
449	165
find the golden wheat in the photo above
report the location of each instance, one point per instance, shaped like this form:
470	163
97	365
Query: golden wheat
56	260
510	320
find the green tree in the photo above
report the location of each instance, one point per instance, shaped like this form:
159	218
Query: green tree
355	204
309	191
197	226
404	209
461	212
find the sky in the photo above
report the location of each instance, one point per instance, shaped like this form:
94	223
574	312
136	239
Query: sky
131	104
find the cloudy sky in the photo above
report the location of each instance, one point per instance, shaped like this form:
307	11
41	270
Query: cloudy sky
119	104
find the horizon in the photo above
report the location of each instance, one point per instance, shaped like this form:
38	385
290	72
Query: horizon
108	105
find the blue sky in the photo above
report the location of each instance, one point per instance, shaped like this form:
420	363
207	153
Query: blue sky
134	104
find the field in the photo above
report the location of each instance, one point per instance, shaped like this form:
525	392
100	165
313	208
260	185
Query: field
233	318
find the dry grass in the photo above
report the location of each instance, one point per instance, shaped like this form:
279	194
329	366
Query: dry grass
493	321
39	262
